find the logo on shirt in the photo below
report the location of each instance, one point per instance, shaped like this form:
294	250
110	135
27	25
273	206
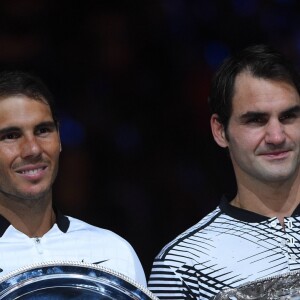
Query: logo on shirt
100	262
97	262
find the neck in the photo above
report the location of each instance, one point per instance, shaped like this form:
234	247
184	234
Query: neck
32	217
269	199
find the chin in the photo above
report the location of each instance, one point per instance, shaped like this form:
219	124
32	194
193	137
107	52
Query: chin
277	178
35	194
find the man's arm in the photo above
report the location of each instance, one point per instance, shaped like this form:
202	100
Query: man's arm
167	283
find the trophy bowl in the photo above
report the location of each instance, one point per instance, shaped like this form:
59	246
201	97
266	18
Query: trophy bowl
70	280
279	287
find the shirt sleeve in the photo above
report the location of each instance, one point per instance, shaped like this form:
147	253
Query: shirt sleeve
166	283
139	271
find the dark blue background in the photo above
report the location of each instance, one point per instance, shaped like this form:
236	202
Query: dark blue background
131	80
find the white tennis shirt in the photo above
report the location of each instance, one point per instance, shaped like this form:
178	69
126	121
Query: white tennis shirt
227	248
68	240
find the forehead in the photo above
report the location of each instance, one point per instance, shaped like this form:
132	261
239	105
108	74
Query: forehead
262	95
18	110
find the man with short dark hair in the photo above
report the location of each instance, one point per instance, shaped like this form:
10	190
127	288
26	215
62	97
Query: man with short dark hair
31	230
255	102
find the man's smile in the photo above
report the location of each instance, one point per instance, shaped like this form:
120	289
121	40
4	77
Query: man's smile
32	171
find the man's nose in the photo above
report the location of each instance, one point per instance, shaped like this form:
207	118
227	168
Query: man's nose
30	147
275	132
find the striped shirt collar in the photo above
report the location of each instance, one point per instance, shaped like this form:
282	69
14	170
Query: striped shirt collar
246	215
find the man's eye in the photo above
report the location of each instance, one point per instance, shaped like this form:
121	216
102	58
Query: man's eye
43	130
256	121
287	117
10	136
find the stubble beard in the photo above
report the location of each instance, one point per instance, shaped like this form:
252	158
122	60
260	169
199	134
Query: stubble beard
26	198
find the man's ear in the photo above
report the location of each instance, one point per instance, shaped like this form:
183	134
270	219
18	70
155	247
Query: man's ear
218	131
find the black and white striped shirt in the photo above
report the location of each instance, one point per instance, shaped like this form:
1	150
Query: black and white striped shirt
227	248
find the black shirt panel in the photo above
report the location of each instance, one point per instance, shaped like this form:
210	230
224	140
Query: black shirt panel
62	222
246	215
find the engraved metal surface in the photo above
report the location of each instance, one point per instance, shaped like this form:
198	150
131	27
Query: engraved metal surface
70	280
280	287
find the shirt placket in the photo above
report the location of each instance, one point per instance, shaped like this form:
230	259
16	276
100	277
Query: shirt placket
38	245
292	243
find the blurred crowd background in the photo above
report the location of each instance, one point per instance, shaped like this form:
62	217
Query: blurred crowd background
131	80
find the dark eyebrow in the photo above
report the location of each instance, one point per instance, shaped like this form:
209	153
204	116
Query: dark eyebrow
255	114
50	124
7	130
252	115
293	110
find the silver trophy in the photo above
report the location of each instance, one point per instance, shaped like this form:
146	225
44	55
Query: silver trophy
279	287
70	280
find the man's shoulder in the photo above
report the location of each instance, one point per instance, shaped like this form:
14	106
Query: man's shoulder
94	233
118	253
193	235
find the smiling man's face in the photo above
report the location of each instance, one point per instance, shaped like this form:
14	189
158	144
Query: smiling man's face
29	148
263	134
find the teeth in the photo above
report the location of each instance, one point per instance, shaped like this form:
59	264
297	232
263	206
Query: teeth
31	172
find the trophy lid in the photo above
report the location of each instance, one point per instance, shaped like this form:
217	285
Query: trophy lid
70	280
279	287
